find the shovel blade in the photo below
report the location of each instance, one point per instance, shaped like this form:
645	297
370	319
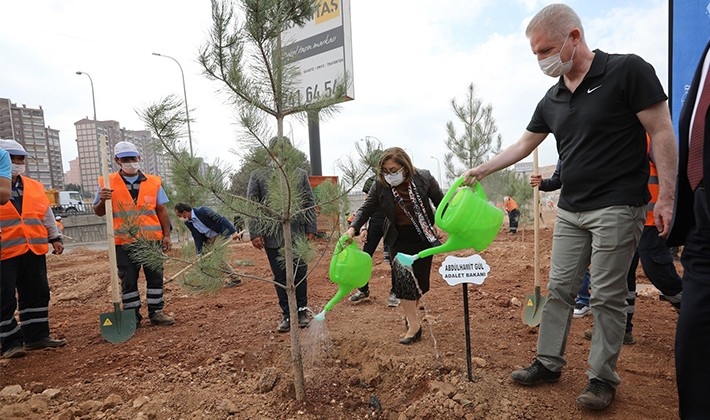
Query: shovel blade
118	326
532	309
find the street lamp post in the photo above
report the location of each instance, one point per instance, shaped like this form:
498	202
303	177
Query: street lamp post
438	167
184	92
96	128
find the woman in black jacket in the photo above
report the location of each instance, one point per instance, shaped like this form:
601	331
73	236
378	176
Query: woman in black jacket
405	194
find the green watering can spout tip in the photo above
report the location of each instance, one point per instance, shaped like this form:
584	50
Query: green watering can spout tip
405	259
320	316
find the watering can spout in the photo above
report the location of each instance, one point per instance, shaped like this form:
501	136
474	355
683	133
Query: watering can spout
454	243
342	292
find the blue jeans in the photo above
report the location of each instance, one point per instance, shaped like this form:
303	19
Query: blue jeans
583	295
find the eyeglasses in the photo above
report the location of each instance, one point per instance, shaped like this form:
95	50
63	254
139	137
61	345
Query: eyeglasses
392	171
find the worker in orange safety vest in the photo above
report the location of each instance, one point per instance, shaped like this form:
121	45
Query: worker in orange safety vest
139	209
27	224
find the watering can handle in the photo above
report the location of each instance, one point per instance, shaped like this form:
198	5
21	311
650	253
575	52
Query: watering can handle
342	243
478	190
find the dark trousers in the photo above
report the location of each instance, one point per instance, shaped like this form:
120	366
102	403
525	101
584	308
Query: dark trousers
375	233
657	262
631	296
692	339
128	272
513	218
27	274
279	270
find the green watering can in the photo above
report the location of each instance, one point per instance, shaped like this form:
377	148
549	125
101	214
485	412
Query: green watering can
467	217
349	268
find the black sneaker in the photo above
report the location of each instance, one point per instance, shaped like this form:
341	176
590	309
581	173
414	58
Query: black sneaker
45	343
597	395
535	374
284	325
14	352
360	296
303	320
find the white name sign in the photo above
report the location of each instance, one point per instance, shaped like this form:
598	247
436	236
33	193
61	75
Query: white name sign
457	270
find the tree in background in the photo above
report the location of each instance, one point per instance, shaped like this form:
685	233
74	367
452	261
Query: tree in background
358	169
246	58
479	138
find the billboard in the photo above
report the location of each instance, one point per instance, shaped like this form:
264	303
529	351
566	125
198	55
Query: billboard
321	52
689	31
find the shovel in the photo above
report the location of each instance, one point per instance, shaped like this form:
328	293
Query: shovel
119	325
532	310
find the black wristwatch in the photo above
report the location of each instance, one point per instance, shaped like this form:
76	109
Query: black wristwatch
57	239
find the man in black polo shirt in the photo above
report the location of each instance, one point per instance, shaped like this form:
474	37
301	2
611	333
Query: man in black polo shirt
599	111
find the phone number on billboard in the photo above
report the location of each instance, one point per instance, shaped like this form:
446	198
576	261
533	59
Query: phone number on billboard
313	93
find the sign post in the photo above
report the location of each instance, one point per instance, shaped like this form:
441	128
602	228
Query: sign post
465	270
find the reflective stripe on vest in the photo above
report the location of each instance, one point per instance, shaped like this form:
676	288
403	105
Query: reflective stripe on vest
139	219
26	232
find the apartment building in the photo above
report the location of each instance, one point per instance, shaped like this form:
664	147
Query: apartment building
87	131
27	126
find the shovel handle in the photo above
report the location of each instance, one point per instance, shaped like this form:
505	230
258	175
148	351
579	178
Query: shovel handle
113	268
536	223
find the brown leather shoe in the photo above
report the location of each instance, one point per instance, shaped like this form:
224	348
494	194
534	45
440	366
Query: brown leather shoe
160	318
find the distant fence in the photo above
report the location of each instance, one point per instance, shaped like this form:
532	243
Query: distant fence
88	227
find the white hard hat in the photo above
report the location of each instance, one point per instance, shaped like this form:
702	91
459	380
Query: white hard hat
58	218
12	147
125	149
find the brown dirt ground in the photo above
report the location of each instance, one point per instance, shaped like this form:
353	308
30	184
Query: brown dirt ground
223	359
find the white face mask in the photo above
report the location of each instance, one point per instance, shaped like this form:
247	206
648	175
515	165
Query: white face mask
553	65
183	219
395	178
130	168
18	169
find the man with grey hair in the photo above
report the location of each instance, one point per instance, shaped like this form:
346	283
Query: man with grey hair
599	110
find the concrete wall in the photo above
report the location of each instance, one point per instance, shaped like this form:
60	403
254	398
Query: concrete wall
85	228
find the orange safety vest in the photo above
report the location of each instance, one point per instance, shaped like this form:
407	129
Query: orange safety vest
26	232
652	187
510	205
139	218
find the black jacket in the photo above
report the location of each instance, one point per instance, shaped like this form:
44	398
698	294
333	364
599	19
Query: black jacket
683	217
381	197
212	220
554	182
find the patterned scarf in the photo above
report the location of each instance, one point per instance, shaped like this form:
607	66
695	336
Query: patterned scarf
419	219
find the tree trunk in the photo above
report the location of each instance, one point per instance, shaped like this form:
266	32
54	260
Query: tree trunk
296	357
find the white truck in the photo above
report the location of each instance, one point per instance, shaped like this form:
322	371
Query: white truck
64	202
